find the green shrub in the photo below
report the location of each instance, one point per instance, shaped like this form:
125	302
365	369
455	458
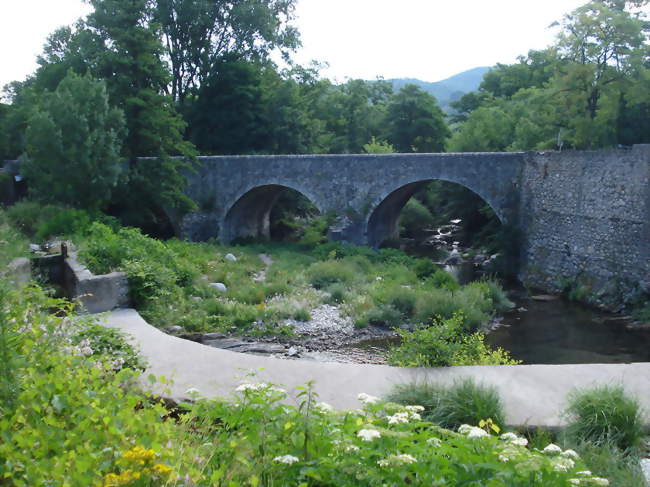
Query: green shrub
302	314
443	344
442	279
337	293
495	292
403	300
608	461
323	274
605	415
415	217
465	402
148	280
425	268
423	394
383	315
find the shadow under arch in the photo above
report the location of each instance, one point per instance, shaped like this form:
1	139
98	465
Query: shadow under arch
249	216
383	223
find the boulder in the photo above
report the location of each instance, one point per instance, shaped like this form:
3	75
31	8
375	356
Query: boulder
219	286
231	258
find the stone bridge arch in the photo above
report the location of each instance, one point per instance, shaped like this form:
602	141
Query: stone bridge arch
383	220
248	213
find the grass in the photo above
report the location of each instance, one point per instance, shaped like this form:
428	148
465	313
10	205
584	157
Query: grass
465	402
605	415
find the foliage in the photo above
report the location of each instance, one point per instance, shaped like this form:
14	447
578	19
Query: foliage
12	243
322	274
416	122
378	147
605	415
75	407
383	443
445	343
197	35
41	222
381	288
74	140
608	461
582	92
464	402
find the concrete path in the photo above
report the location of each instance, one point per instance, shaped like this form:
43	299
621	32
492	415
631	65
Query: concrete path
534	395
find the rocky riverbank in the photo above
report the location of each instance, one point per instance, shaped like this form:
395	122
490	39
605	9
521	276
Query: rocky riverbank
327	337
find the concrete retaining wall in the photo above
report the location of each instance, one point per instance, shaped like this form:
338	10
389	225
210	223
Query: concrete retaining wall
95	293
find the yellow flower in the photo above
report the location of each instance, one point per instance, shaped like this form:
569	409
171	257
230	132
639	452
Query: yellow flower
139	455
161	469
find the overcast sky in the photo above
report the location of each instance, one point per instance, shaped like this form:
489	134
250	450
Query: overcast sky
425	39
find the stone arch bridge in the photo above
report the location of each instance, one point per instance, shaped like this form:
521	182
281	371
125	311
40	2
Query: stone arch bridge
581	215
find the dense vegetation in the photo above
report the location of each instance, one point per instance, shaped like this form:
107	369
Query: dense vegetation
87	421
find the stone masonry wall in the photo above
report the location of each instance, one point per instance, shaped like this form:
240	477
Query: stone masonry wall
586	223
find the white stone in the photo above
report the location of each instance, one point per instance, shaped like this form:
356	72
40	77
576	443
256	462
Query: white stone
219	286
231	258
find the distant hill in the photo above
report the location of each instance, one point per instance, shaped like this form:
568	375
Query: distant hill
447	90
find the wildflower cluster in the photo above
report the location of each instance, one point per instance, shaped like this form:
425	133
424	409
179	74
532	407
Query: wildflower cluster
259	387
138	464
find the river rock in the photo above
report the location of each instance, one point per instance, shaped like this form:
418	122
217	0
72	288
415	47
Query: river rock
219	286
231	258
293	352
241	346
544	297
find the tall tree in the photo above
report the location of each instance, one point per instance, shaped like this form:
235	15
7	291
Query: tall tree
131	63
415	121
73	145
197	34
600	42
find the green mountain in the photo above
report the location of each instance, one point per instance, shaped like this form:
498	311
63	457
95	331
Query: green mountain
447	90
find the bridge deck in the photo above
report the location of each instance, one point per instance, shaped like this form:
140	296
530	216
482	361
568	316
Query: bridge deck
534	395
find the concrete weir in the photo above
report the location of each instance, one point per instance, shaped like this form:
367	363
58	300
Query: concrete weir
534	395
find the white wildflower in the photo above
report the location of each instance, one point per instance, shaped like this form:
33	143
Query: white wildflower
508	437
351	448
398	418
504	458
323	407
286	459
368	435
259	387
414	409
563	464
513	439
575	481
570	454
584	473
396	460
367	398
477	433
192	391
599	481
552	449
436	442
463	429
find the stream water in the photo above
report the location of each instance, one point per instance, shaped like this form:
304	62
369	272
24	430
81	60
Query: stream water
556	332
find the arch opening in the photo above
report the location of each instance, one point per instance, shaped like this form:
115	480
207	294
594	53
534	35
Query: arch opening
269	212
446	221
